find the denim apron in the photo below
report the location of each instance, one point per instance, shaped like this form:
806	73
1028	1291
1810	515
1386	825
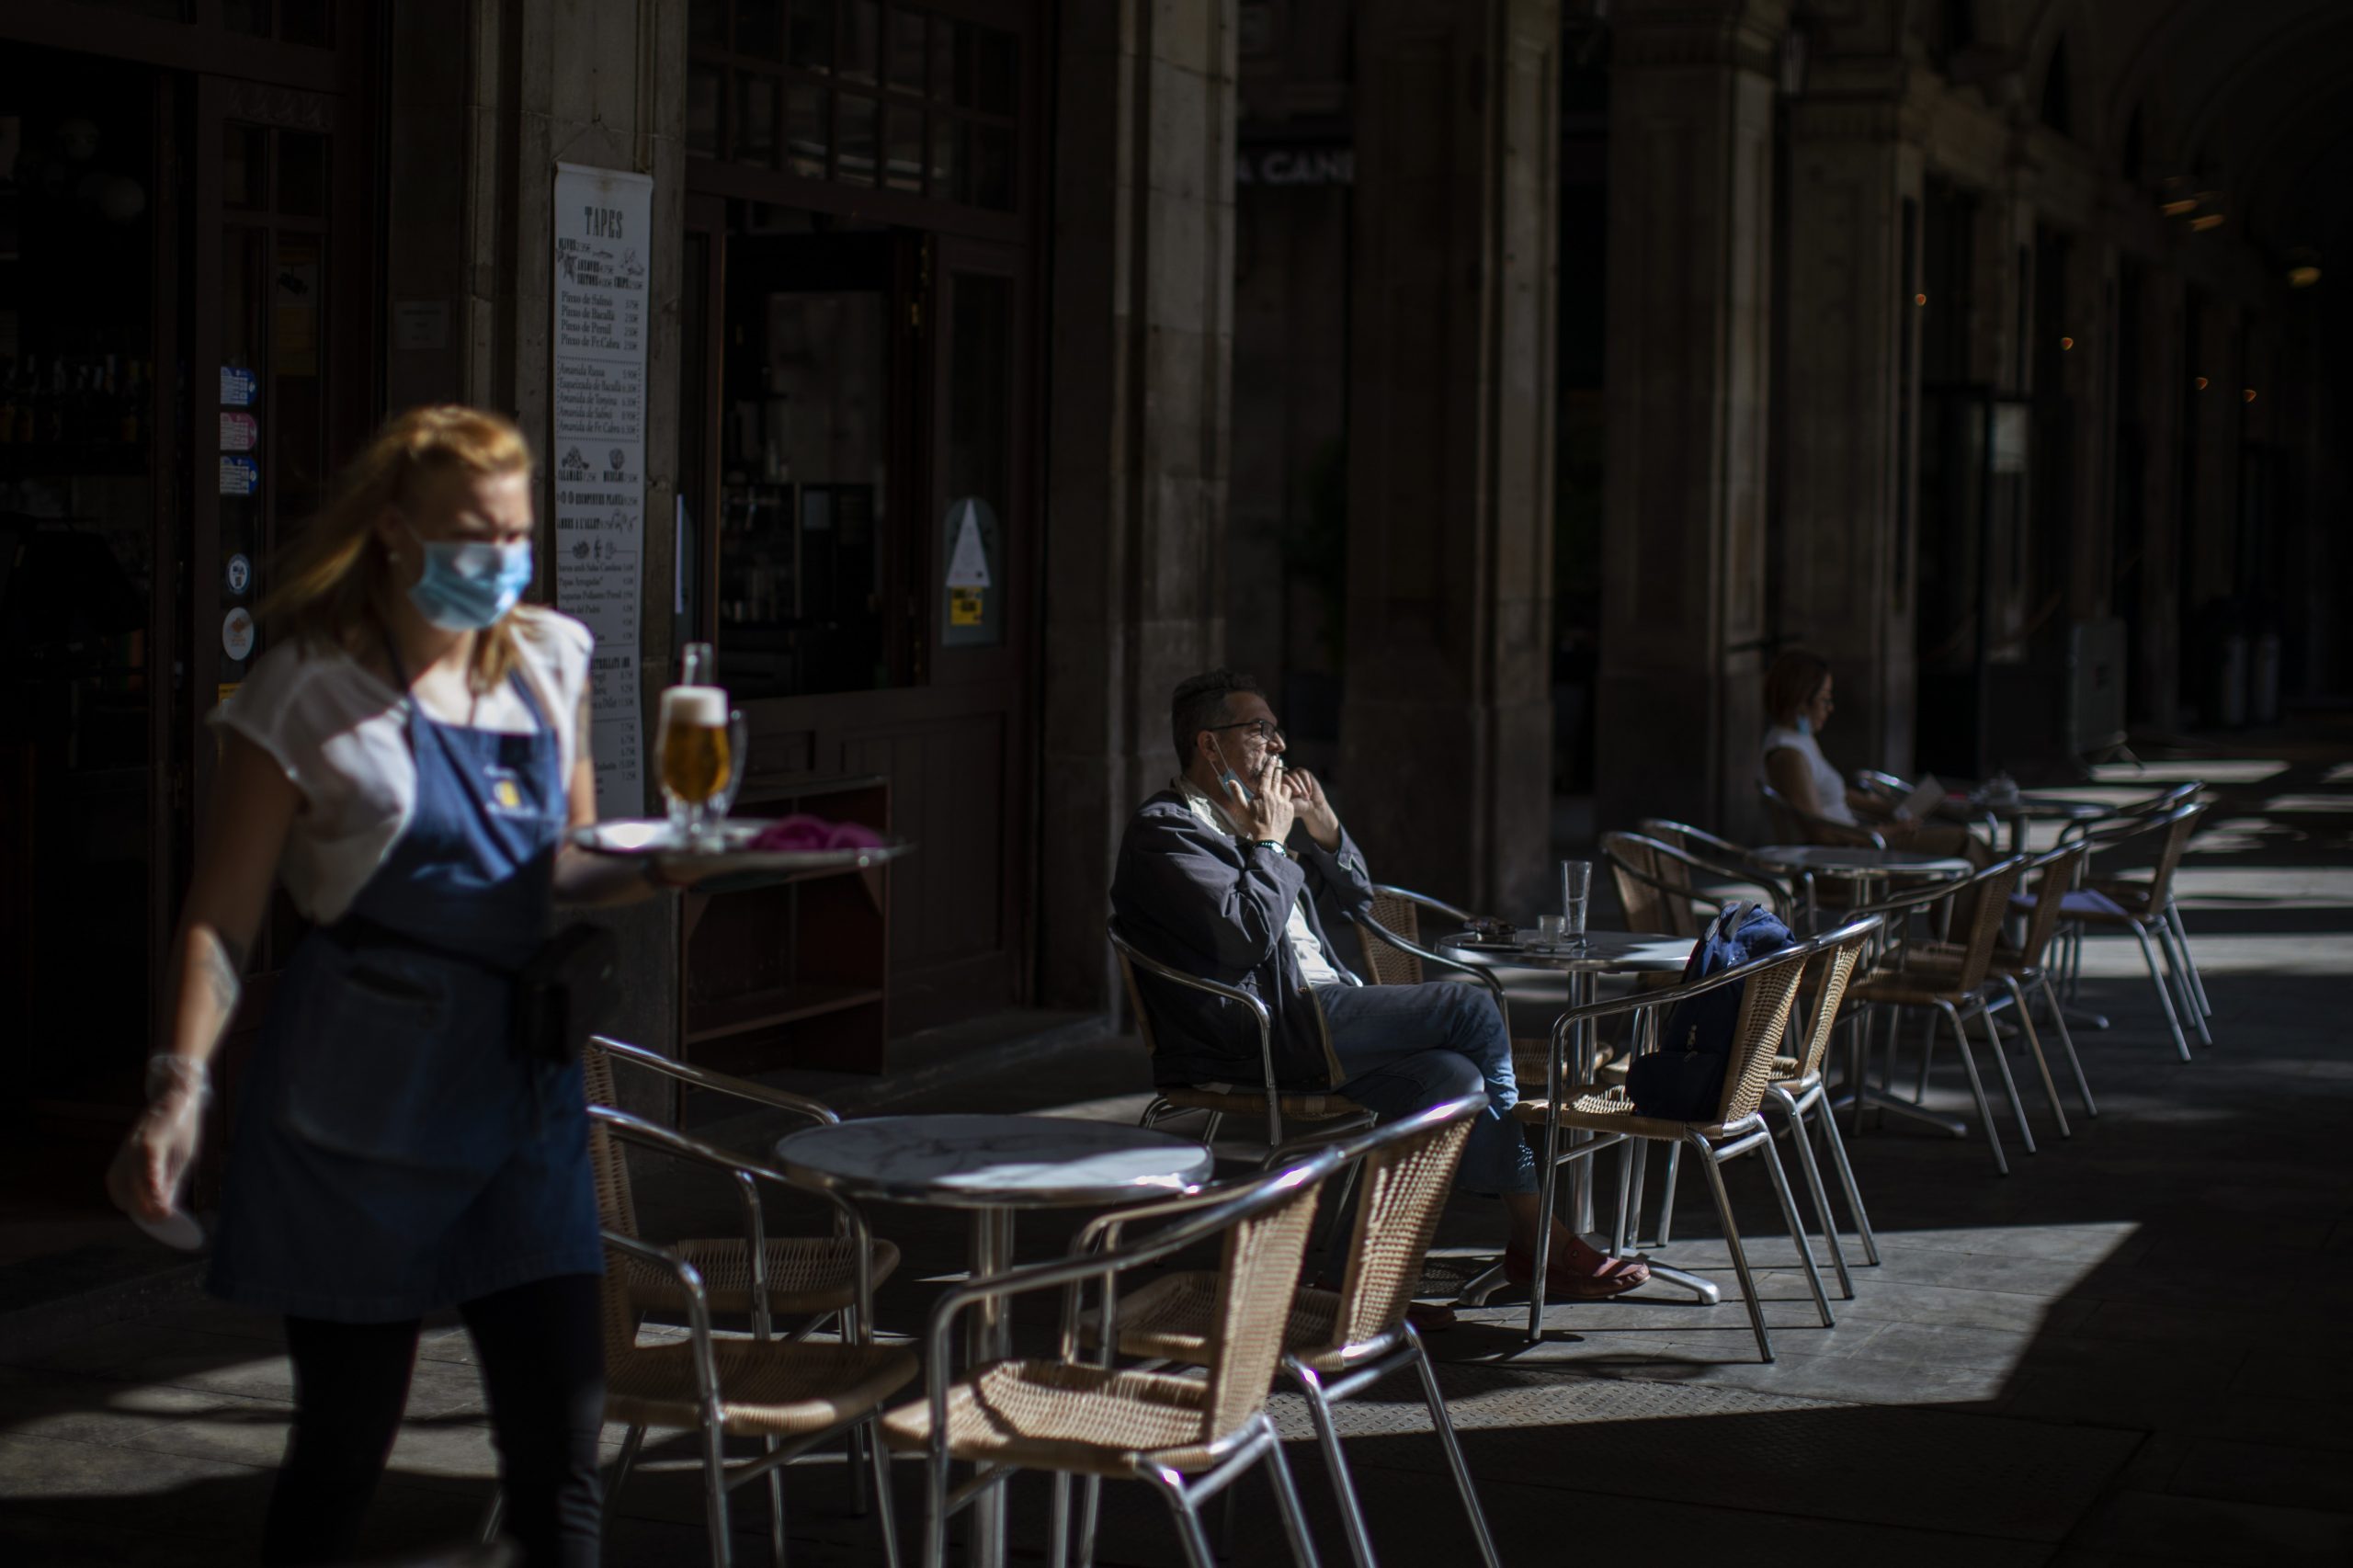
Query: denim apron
394	1155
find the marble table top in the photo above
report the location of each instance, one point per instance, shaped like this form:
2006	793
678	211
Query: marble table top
1856	860
994	1162
1604	952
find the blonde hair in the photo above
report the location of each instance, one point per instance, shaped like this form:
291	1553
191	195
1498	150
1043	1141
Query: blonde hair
335	577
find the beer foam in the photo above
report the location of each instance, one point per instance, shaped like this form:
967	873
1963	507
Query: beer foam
703	706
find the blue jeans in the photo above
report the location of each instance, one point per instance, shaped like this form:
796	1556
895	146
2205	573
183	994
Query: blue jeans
1406	1048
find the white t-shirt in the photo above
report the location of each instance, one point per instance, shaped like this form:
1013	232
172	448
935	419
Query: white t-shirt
341	734
1313	967
1829	789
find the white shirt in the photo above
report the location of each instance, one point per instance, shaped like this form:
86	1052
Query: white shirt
1829	789
341	734
1314	968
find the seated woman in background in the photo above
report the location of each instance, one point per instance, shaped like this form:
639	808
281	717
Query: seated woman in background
1798	700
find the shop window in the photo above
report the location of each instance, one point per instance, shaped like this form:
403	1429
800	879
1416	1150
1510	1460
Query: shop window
869	94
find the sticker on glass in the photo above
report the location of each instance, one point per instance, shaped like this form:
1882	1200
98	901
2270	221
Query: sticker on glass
239	433
968	565
240	573
237	634
964	605
240	476
237	387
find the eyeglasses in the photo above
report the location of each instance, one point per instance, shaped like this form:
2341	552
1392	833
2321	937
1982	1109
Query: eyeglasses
1265	728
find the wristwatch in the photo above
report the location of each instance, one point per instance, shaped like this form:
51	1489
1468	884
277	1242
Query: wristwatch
1273	844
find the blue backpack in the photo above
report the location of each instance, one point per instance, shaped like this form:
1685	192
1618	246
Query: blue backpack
1683	1080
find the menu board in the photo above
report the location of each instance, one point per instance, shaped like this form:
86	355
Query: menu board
604	229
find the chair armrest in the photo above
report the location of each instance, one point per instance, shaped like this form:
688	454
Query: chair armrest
1437	905
698	1307
746	1176
1374	930
720	1082
1258	1011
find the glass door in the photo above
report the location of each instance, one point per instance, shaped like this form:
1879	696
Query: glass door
277	392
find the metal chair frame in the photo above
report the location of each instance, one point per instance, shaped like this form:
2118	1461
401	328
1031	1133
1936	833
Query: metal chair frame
1364	1362
1233	1452
1968	998
1130	960
718	1477
2160	928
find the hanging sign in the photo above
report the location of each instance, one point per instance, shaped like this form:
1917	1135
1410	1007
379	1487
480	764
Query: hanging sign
237	387
604	233
239	574
239	433
237	634
240	476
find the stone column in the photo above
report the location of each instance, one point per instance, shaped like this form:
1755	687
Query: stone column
1683	542
1446	724
2156	532
1136	487
1850	413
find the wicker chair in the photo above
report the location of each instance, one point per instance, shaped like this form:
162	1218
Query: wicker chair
1739	1127
1341	1342
1722	859
1189	1438
2144	906
1394	954
790	1395
810	1278
2024	970
1329	1114
1955	983
1797	1087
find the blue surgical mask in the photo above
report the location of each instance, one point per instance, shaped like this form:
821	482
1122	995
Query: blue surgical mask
1805	723
469	584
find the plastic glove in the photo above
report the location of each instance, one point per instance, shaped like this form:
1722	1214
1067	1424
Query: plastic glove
144	1180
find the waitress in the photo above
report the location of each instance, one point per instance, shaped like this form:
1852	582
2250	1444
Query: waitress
405	759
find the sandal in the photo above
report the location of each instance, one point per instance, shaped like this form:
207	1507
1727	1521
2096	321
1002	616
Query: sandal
1566	1282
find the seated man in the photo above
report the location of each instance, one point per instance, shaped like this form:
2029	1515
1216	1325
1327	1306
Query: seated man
1219	875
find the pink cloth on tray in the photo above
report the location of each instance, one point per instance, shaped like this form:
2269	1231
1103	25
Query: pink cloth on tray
804	832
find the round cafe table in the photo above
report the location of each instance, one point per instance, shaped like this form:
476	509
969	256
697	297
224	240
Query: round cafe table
1583	960
995	1166
2018	811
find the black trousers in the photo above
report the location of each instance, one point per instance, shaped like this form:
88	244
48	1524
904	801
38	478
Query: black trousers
541	1350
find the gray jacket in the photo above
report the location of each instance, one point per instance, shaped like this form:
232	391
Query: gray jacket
1189	895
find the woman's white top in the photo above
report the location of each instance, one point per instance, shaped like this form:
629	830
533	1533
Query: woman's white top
1829	789
341	734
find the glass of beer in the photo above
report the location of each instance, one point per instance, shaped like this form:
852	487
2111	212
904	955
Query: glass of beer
700	753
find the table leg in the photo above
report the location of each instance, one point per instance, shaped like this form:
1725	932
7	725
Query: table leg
989	1337
1583	1050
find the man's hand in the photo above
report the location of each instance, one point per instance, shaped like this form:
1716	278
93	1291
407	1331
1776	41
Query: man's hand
1270	810
1315	812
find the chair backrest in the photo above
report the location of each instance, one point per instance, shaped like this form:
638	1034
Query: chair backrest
1766	1002
1390	965
2056	874
1257	1279
2178	826
1408	1171
1793	825
1644	892
1135	993
1982	903
1826	990
616	1205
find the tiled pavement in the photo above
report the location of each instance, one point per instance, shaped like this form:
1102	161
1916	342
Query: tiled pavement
2128	1351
